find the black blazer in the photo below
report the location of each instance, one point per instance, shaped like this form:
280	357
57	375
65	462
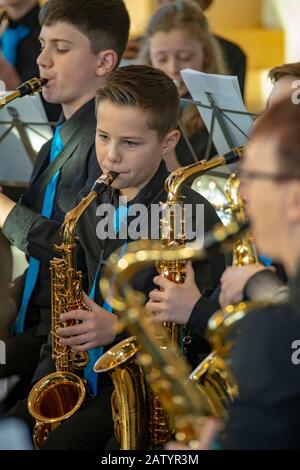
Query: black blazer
266	415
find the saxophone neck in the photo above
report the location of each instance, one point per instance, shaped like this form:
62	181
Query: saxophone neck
68	229
186	174
101	185
244	249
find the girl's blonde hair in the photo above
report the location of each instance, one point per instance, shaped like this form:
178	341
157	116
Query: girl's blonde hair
185	15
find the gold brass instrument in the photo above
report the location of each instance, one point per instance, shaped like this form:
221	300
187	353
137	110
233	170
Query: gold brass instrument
244	250
175	271
130	398
34	85
173	236
213	376
142	406
166	371
58	395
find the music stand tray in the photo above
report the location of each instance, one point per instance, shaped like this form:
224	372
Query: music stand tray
24	128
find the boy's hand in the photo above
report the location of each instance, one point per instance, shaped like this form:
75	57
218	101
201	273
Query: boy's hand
233	282
6	206
97	327
175	302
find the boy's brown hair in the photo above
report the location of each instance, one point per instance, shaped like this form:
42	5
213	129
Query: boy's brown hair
105	23
146	88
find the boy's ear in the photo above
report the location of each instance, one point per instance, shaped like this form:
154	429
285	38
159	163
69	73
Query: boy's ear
293	202
106	62
170	141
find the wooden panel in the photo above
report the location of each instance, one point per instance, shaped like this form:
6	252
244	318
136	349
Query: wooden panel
258	88
140	11
264	47
235	13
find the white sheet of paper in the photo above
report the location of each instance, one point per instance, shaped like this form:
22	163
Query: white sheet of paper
226	94
15	165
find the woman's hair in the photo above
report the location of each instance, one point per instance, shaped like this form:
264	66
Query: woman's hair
185	15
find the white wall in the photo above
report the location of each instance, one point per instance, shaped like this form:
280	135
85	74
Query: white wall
285	14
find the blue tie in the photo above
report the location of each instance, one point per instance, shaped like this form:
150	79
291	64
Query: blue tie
265	261
10	40
92	377
47	209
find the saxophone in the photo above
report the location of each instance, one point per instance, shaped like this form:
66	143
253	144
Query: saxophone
58	395
139	419
160	429
213	376
163	367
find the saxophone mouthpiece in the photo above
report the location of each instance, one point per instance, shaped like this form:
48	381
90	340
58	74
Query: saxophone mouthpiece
104	181
34	85
233	155
110	176
31	86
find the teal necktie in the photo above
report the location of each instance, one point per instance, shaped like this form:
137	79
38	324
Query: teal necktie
47	210
10	40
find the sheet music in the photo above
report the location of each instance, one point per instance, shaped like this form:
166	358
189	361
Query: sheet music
226	94
15	164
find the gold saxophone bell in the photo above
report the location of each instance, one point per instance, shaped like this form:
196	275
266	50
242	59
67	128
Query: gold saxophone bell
53	399
130	394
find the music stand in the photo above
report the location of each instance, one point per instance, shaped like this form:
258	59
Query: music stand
24	128
222	109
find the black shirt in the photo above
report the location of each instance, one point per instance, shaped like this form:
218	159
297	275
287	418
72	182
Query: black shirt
266	413
265	362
